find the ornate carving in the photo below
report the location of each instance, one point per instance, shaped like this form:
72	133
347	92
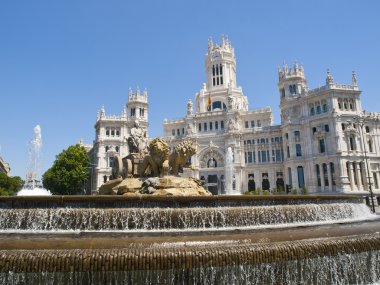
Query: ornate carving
137	141
157	160
180	156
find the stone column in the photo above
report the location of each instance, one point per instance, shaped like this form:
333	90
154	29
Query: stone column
359	176
351	174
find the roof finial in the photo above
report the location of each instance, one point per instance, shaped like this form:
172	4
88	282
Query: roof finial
354	80
210	43
329	78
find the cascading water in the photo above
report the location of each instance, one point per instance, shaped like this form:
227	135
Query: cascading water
229	172
33	186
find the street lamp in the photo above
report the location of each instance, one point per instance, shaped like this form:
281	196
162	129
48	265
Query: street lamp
361	122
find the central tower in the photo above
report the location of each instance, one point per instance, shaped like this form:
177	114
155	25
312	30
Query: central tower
220	92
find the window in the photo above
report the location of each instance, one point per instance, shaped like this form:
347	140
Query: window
210	126
318	109
107	132
278	155
216	125
246	124
297	134
107	148
258	123
141	112
252	124
343	126
173	132
205	127
222	125
250	157
117	133
298	150
301	179
292	89
113	132
248	141
312	111
314	130
332	170
322	147
200	127
111	160
117	148
327	128
288	151
217	105
290	177
325	174
375	181
324	108
370	148
133	112
263	156
318	175
352	142
183	131
286	136
366	129
177	132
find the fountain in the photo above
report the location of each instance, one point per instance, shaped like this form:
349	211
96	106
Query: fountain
33	186
229	172
153	235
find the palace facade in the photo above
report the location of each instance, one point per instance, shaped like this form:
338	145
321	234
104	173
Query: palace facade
111	137
325	141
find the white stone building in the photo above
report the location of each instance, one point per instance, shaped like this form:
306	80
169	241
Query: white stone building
111	135
322	142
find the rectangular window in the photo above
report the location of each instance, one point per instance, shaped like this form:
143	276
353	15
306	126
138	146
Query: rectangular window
314	129
298	150
375	181
221	80
246	124
177	132
288	151
199	127
263	156
222	125
213	81
205	127
248	141
297	134
322	148
273	156
278	155
252	124
254	157
258	123
216	125
327	128
210	126
259	156
183	131
245	157
173	132
249	157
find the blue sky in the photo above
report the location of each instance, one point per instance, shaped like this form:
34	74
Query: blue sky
61	60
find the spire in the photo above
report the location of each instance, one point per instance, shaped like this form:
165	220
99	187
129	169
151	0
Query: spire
329	78
354	80
138	91
102	112
130	94
145	94
124	112
210	43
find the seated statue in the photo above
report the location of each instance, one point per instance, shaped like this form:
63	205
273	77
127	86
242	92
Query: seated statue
137	141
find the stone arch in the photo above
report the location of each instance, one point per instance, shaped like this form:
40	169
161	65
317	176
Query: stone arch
213	155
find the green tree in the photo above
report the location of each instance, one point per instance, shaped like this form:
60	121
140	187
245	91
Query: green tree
69	172
10	185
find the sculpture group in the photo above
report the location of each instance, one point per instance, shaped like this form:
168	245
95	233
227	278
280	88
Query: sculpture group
151	167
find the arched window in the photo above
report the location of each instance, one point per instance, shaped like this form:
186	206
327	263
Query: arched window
211	163
318	109
312	110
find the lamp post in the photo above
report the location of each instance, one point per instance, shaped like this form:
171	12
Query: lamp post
361	123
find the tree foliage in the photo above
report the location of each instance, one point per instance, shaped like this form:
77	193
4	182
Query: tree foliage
69	172
10	185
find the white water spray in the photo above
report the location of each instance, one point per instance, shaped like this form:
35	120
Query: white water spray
33	186
229	172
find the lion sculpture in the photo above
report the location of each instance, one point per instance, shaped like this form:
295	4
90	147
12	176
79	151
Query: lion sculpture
157	160
178	159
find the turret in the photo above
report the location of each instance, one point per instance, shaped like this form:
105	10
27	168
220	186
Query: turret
220	65
291	81
137	105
